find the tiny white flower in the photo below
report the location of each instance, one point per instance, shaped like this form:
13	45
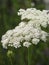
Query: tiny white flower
16	44
43	38
27	38
26	44
35	41
5	43
44	24
22	24
9	32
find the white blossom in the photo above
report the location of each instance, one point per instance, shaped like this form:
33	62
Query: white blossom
44	36
16	45
29	30
35	41
26	44
4	43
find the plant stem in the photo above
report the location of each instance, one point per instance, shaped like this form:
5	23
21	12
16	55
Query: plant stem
10	61
29	55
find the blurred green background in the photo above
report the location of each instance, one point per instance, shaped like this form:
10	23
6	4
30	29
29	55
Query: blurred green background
38	55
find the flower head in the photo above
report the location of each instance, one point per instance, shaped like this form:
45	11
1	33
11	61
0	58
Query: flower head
27	31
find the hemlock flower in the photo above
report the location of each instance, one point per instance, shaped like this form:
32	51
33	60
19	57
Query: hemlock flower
26	44
29	29
16	44
35	41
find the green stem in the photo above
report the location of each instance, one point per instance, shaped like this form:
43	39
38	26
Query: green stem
22	62
10	61
30	55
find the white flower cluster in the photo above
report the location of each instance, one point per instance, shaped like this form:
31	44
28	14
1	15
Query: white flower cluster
36	16
27	33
